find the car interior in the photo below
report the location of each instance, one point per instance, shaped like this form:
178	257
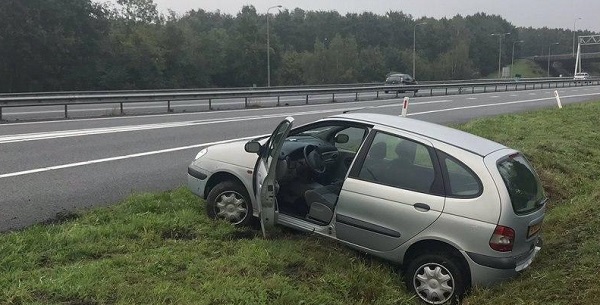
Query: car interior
312	166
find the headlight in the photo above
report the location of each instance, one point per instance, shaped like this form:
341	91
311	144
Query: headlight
201	153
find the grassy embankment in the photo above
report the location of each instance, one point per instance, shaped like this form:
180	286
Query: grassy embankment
525	67
161	248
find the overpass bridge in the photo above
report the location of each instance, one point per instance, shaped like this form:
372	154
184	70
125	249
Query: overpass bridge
560	62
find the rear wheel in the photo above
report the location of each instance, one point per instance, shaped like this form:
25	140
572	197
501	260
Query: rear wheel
229	200
436	278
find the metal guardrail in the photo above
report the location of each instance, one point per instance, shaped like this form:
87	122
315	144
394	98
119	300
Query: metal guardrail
124	97
54	93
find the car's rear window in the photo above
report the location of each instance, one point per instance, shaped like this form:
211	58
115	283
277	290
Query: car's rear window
523	185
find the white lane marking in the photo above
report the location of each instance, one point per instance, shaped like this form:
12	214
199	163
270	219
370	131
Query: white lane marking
513	95
494	104
106	130
471	98
532	93
494	96
149	153
45	169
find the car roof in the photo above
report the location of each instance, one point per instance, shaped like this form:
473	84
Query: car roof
451	136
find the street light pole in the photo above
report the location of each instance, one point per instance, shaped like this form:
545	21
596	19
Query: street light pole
269	47
550	45
574	23
415	48
500	35
512	61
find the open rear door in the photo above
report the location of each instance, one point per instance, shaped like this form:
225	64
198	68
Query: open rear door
264	174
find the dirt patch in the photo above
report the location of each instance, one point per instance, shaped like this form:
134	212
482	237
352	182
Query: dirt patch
62	217
179	234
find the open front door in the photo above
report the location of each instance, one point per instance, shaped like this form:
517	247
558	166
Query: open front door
264	175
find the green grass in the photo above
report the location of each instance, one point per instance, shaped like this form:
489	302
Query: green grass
525	67
162	249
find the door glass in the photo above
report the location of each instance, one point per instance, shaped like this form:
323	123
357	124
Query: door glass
399	162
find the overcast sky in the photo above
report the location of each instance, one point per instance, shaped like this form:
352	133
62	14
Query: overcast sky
535	13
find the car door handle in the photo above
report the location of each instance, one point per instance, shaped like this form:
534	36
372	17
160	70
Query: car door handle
421	207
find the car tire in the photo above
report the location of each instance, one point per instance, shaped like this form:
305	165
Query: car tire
432	275
229	200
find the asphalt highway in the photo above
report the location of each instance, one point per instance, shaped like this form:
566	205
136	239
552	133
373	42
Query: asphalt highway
49	167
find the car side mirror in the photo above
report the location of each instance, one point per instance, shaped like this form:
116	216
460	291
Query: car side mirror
342	138
252	147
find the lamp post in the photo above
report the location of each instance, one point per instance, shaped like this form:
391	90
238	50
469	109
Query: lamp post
574	23
415	48
269	47
500	36
512	61
550	45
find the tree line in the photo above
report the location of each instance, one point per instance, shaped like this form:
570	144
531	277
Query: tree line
59	45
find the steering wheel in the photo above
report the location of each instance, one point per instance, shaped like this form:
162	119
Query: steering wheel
314	159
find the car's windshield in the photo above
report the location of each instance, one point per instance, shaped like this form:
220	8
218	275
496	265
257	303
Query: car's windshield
523	185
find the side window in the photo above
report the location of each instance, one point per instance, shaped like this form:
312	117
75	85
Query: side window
399	162
462	182
355	139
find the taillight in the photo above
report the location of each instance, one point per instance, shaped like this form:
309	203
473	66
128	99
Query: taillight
503	239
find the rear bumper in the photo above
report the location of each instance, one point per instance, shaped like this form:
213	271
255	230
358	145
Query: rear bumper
487	270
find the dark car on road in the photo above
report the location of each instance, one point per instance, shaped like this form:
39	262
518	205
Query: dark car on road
399	80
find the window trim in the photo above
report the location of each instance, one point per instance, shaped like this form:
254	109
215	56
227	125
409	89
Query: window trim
442	158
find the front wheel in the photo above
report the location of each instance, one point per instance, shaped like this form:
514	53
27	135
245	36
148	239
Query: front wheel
436	278
229	200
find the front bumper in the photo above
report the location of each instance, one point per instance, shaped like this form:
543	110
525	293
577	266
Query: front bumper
197	179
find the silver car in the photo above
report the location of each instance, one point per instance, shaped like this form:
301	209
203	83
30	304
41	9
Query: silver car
455	210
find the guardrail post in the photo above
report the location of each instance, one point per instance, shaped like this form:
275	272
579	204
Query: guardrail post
307	99
356	98
496	88
506	88
169	106
209	104
431	92
0	113
484	88
66	114
278	102
333	97
377	94
472	89
446	91
121	104
245	102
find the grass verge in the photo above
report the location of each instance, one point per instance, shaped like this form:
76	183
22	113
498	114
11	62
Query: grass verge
161	248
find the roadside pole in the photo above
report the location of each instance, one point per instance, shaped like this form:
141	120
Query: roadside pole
558	99
405	107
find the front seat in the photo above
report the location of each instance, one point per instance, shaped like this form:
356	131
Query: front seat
321	202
